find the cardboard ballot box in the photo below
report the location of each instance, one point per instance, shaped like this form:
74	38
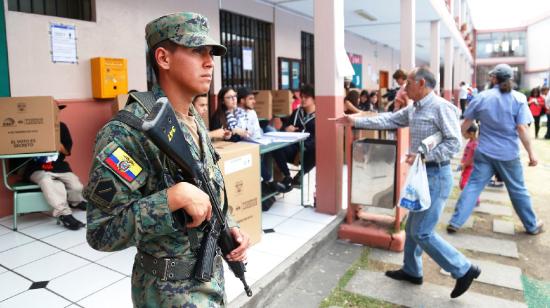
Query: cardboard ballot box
240	165
264	103
29	125
282	102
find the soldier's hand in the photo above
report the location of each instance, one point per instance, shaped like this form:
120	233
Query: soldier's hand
239	253
192	200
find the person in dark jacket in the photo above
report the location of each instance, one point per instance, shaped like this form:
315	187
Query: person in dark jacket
61	187
301	120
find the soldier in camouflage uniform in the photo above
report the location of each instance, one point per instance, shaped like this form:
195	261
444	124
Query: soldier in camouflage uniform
131	191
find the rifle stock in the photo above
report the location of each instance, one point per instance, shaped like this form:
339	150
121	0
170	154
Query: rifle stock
162	128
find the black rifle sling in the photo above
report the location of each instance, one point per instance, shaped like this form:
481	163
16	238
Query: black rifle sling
136	123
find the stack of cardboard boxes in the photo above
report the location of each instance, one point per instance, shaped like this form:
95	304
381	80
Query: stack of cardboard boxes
270	103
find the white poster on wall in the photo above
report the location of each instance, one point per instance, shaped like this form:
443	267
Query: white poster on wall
63	43
247	58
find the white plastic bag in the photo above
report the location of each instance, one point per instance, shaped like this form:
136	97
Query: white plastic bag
416	195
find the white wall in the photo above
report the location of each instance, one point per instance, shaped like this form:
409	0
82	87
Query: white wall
117	32
538	45
538	54
288	37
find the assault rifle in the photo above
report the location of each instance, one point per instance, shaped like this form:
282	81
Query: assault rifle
163	130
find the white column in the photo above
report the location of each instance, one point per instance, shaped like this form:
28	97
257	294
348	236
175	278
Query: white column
435	53
329	88
407	38
448	69
458	11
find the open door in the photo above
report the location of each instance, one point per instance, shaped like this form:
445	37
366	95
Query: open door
384	80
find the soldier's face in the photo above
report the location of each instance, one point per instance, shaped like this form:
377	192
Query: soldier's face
191	68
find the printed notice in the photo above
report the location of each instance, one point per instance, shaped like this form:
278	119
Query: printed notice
63	40
247	59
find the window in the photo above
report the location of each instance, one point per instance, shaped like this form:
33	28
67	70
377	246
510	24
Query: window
501	44
308	59
75	9
248	59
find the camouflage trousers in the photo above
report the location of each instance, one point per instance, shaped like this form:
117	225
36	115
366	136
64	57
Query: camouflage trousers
151	292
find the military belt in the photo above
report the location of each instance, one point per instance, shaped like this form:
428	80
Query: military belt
165	268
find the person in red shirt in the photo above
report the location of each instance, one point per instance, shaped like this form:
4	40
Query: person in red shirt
467	162
536	105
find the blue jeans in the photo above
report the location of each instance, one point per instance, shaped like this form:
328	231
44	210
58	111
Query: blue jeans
511	173
420	234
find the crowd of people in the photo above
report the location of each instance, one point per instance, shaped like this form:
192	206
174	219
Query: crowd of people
134	196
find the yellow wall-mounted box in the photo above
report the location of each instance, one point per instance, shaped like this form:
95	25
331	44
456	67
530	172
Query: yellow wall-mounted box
109	77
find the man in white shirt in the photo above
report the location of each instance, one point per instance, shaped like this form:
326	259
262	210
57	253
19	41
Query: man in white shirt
247	101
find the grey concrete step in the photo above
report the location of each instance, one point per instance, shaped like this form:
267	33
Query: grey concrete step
493	209
377	285
501	197
483	244
386	256
446	216
503	226
498	274
275	284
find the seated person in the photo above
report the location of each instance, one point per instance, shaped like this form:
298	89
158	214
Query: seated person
200	102
364	103
61	187
229	116
246	101
351	101
301	120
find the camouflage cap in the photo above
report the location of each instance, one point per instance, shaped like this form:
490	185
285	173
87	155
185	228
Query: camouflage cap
186	29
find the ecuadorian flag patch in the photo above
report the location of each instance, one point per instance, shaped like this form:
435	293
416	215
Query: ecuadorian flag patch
123	164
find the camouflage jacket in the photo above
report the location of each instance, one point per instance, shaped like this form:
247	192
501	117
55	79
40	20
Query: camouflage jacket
127	190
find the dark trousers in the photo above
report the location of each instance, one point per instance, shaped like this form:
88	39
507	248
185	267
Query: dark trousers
287	154
463	105
547	136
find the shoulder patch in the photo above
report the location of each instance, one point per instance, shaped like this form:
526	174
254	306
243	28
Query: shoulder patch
123	164
103	193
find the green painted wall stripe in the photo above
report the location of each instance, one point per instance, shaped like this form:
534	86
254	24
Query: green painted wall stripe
4	68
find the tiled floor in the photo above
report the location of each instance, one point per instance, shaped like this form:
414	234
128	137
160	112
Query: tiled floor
78	276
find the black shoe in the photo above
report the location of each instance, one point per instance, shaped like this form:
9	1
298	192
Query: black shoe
495	184
538	229
401	275
285	185
268	203
296	181
451	229
81	206
463	283
70	222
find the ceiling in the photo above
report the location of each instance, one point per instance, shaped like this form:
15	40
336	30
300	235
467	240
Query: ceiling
386	28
